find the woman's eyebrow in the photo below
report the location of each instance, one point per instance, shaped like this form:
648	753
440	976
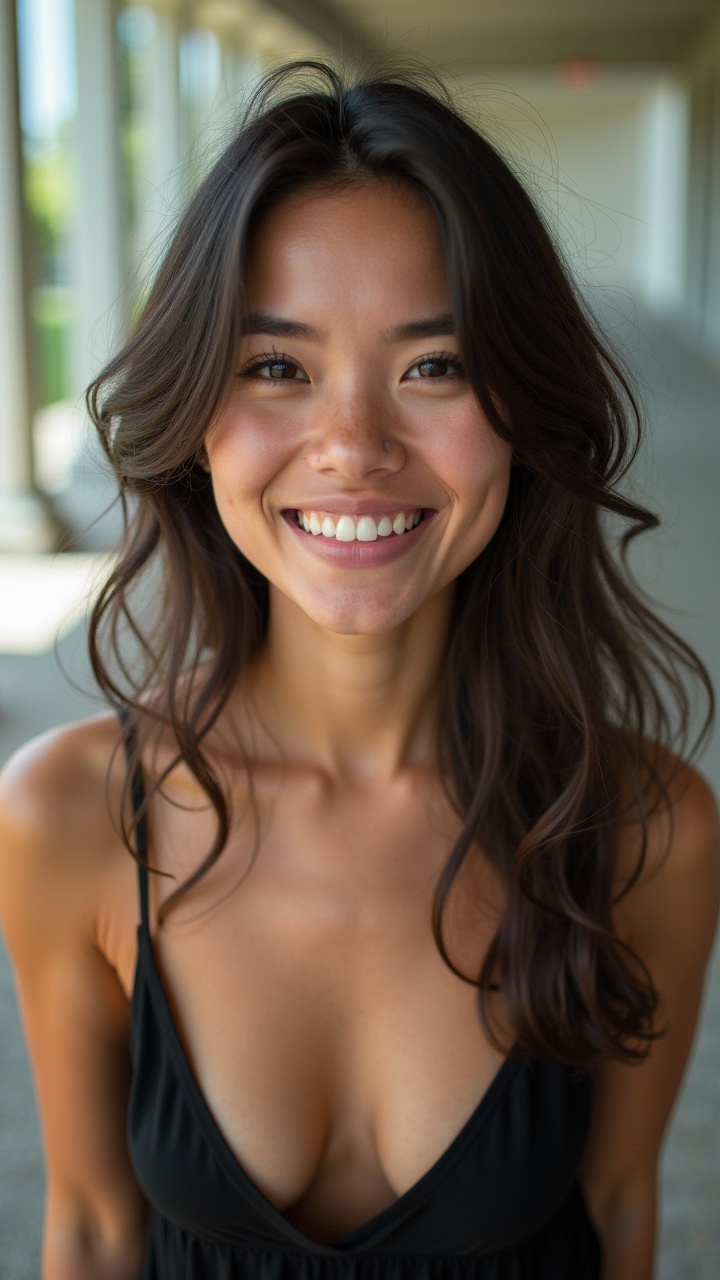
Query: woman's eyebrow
431	327
278	327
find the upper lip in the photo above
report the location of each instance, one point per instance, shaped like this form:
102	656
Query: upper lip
358	506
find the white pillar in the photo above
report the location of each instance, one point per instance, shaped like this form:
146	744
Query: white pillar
161	180
711	325
100	317
25	524
240	69
663	193
201	75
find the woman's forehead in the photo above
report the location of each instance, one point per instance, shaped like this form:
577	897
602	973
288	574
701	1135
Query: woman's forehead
357	246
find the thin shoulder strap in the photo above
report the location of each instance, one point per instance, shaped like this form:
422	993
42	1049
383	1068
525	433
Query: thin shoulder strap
137	796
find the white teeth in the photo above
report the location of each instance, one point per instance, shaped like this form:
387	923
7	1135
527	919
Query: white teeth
345	531
346	528
366	529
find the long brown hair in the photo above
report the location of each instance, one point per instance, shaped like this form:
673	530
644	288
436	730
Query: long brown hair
557	670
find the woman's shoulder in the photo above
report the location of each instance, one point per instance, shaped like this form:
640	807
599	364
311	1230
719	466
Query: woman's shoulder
59	778
679	806
669	866
57	834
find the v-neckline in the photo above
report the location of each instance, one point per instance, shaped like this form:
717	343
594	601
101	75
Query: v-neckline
357	1236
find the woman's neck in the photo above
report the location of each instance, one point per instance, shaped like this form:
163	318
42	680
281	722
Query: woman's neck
361	707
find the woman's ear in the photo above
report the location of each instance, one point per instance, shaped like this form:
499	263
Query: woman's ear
201	457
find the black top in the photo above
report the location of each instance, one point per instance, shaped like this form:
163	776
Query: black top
501	1203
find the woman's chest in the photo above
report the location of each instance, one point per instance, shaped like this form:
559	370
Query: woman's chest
337	1052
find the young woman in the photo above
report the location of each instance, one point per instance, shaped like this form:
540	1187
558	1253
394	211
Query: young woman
424	896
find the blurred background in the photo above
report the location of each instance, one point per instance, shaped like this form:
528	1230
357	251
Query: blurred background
109	116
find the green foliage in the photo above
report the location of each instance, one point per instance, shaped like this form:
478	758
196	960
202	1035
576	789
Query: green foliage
49	196
49	188
52	318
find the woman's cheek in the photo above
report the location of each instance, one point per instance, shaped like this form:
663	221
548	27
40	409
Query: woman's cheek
248	449
474	459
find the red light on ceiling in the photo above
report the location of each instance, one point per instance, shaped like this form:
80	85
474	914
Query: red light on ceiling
579	74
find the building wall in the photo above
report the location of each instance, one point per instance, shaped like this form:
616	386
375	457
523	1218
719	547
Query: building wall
609	166
703	249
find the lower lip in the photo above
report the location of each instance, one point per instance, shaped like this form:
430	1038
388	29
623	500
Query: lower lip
359	555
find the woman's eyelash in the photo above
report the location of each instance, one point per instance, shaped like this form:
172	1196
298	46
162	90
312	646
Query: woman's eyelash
278	357
262	361
440	357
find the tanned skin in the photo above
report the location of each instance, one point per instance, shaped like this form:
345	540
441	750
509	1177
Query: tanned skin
338	1054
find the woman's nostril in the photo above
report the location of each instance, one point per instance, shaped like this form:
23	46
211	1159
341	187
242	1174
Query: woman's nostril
355	449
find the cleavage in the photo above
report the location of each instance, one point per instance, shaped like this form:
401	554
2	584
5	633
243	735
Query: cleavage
332	1107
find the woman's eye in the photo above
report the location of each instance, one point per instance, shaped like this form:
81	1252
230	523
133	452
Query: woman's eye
274	368
443	366
280	370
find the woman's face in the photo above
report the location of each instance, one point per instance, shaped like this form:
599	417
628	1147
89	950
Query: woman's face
351	462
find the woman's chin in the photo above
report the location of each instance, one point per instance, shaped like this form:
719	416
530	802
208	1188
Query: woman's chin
353	613
358	622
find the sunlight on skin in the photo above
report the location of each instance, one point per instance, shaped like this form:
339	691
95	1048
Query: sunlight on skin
344	275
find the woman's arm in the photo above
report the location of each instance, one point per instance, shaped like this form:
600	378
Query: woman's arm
669	919
53	846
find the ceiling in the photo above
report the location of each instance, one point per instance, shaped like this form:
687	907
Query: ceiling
463	34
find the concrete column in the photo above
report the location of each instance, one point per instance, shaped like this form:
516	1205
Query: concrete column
711	326
100	311
663	188
161	180
25	522
240	69
699	202
201	77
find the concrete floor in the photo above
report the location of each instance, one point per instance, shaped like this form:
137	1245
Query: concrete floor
680	475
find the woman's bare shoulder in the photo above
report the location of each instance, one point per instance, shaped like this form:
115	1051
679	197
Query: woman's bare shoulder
59	855
57	797
680	805
57	776
679	882
668	914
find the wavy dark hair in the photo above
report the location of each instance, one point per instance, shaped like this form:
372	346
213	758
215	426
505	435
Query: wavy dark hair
557	671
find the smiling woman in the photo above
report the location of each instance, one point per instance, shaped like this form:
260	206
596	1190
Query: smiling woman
362	443
425	898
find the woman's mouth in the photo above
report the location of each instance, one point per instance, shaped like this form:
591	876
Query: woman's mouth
348	528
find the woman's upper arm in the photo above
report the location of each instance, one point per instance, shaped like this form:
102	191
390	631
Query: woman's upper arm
669	919
74	1011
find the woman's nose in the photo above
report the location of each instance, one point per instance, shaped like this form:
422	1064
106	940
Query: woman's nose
355	442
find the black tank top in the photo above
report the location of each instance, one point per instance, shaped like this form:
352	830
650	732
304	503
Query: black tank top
501	1203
